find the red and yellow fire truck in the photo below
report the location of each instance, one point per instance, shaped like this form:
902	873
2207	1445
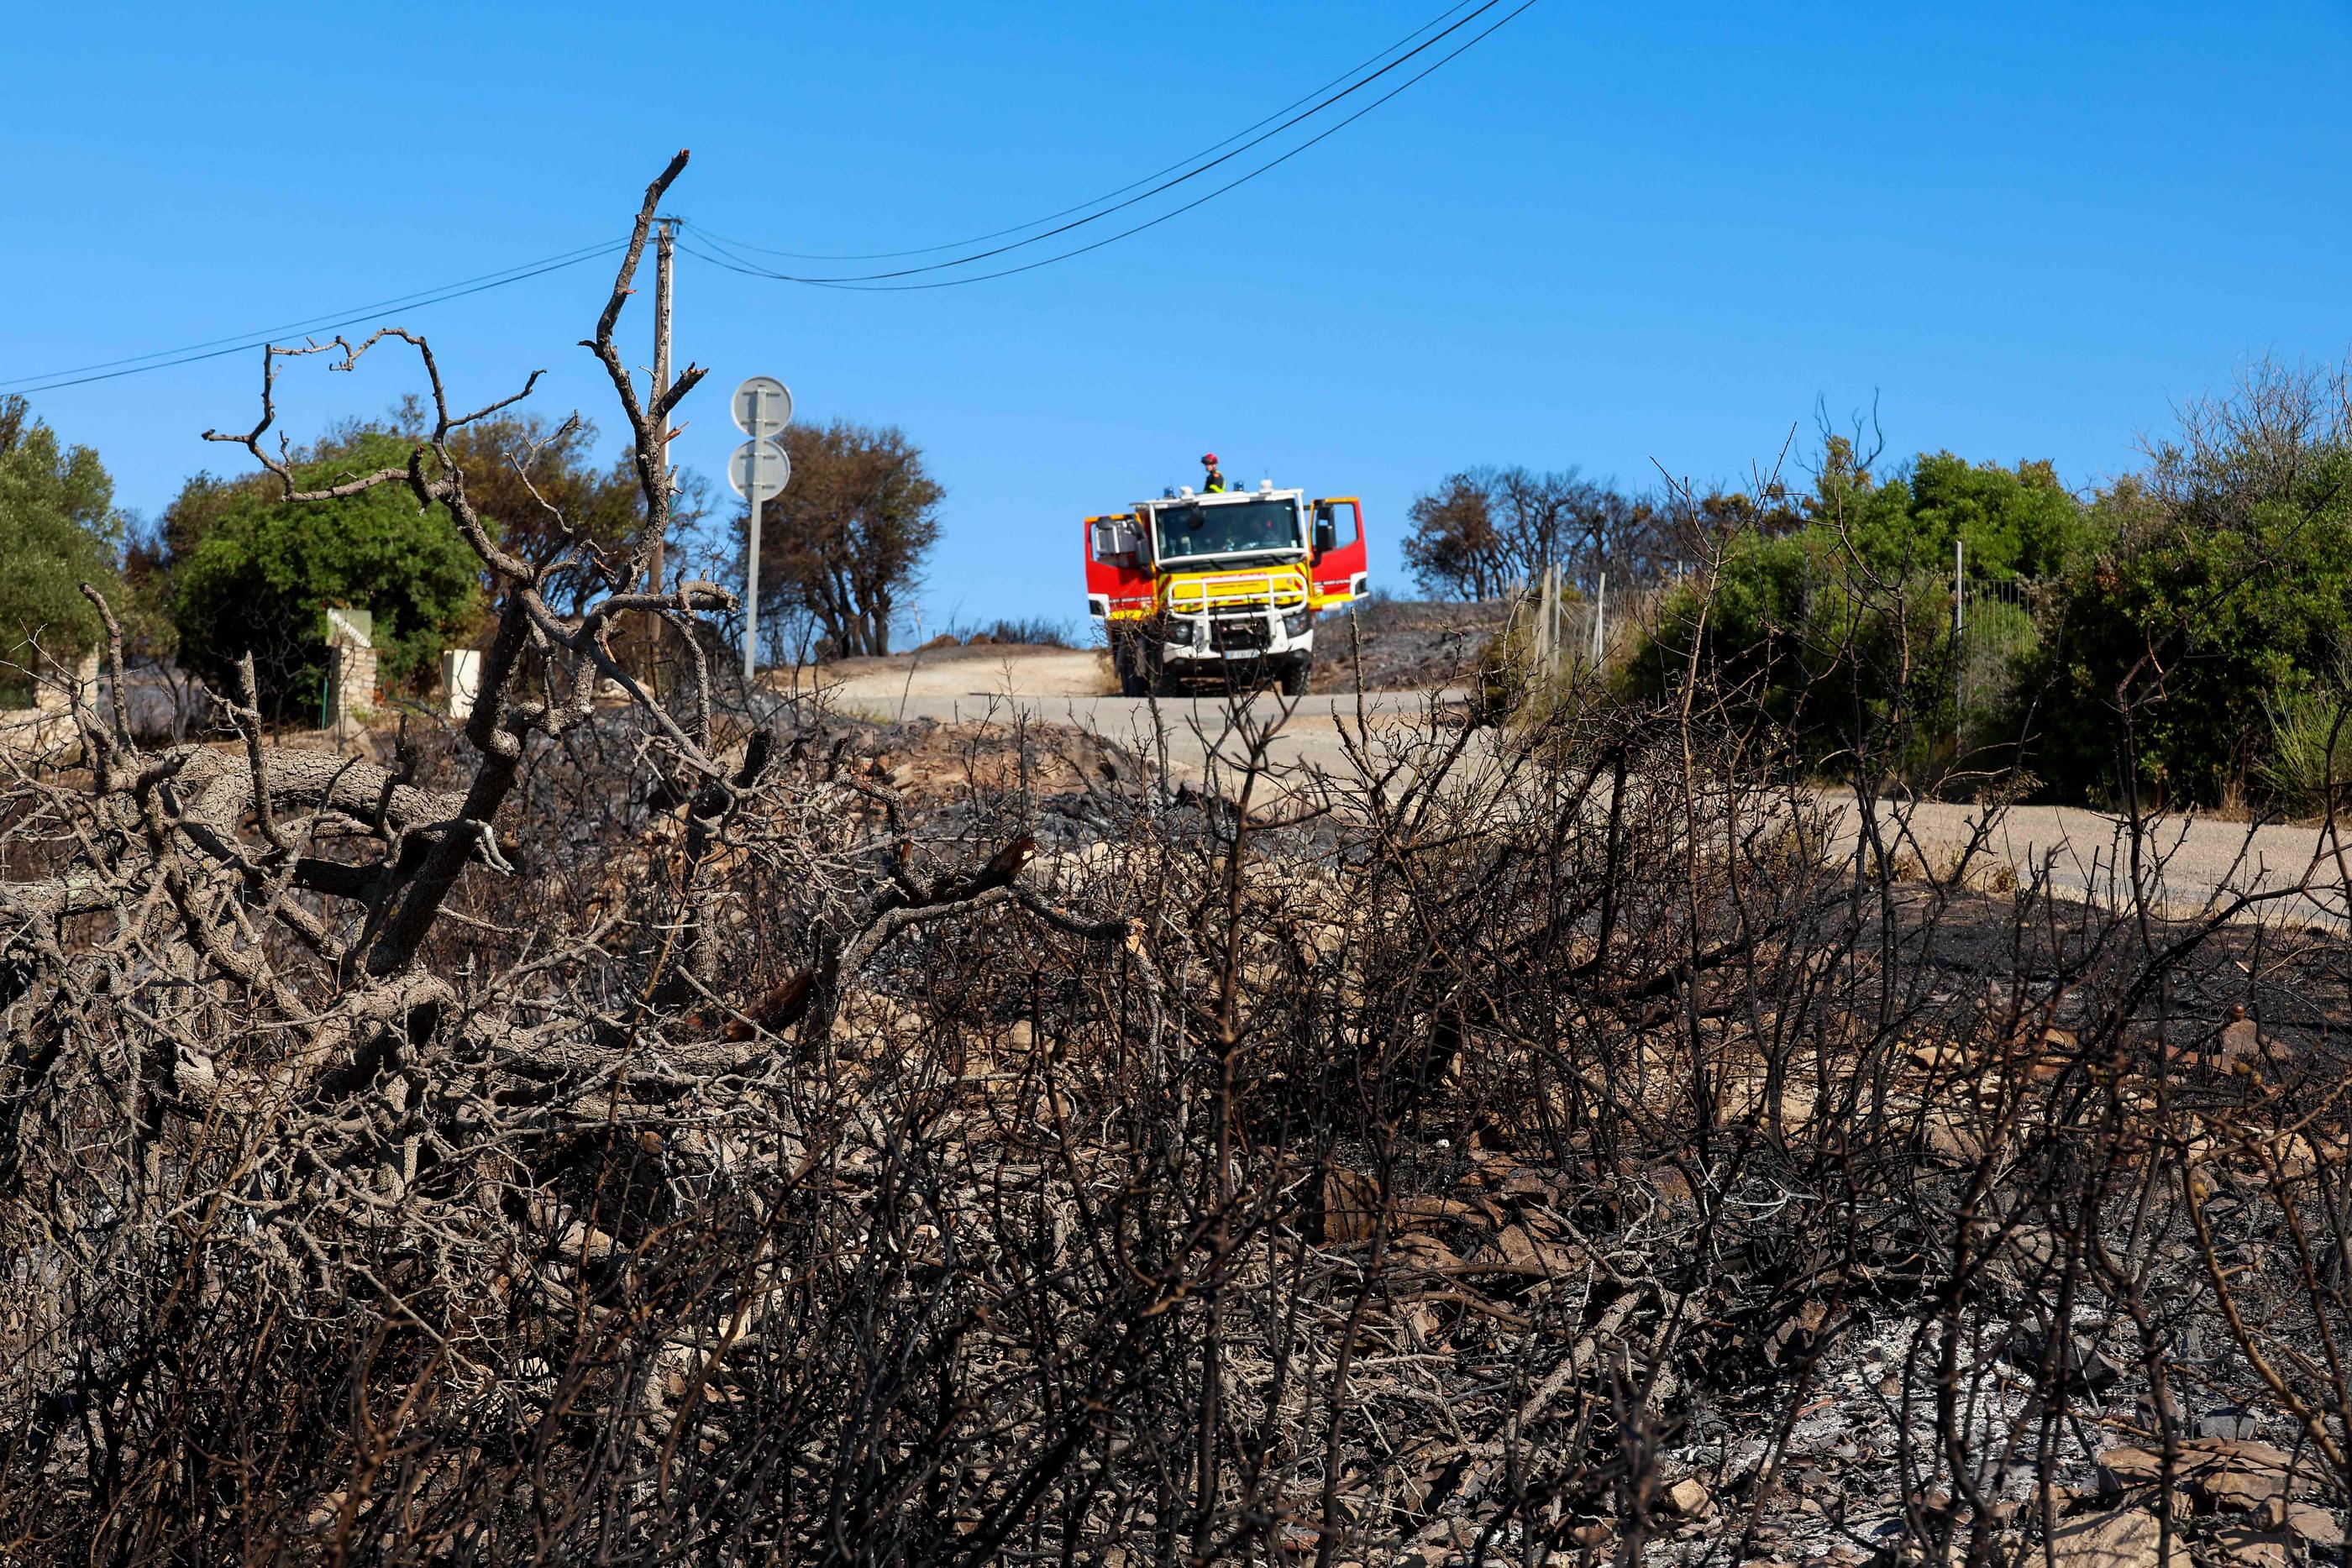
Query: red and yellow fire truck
1225	584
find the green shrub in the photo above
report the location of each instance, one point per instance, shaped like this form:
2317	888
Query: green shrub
265	570
2310	747
2215	611
1839	632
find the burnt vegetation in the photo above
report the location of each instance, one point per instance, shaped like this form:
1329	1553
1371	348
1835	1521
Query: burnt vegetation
694	1126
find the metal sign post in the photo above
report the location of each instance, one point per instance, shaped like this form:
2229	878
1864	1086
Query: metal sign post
759	470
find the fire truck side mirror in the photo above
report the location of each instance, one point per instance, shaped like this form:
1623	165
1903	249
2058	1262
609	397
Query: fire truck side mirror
1107	544
1327	530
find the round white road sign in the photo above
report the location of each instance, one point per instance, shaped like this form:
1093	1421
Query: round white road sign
764	406
759	470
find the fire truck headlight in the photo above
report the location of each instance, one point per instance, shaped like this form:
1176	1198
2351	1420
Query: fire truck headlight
1179	633
1294	624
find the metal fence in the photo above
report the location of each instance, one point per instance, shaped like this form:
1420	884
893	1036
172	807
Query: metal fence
1995	625
1570	626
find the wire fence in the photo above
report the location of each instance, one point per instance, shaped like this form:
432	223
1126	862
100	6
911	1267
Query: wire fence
1569	625
1564	626
1995	626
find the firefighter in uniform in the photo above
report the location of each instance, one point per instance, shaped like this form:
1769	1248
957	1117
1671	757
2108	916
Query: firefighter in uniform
1215	482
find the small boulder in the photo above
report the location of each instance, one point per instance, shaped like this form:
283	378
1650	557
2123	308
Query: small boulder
1688	1499
2230	1422
2249	1546
2127	1538
2121	1469
2312	1526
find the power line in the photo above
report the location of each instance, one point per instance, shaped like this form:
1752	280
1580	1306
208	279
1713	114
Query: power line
215	347
1107	195
870	286
1154	191
880	282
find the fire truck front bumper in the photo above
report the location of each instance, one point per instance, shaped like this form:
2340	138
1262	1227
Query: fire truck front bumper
1237	635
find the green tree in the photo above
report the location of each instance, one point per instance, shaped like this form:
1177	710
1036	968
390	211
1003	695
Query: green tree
541	488
258	574
58	530
1838	629
846	541
2220	594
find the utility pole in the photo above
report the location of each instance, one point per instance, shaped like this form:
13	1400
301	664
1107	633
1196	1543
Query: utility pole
1959	641
665	253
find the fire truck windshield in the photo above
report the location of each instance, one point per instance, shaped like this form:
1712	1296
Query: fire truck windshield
1234	528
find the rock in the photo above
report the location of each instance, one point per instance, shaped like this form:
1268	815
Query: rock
2253	1547
1298	1539
1525	1186
2233	1422
2127	1538
2080	1366
2315	1526
1688	1499
2121	1469
1415	1250
2240	1038
1351	1206
2234	1490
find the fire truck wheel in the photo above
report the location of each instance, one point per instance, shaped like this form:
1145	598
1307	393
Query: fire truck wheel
1132	680
1295	672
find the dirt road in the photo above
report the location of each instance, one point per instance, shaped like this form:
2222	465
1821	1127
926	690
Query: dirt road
876	685
2185	862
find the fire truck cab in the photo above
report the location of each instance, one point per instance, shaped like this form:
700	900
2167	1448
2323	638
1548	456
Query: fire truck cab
1224	585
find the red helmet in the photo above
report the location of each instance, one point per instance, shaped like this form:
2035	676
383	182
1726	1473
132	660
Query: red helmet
1209	460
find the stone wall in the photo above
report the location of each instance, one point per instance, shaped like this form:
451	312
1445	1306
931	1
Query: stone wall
352	694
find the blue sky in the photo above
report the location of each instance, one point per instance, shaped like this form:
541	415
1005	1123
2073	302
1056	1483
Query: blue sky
1616	237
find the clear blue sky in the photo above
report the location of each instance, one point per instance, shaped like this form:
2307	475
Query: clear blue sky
1609	236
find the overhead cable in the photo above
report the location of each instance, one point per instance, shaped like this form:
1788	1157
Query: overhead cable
350	315
1194	173
869	286
1107	195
